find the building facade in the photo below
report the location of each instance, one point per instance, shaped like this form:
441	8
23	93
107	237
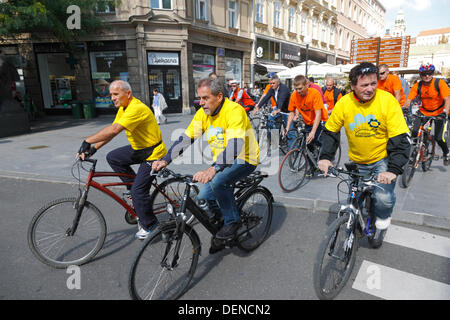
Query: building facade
357	19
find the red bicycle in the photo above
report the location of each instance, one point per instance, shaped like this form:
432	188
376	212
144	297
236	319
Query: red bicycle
71	231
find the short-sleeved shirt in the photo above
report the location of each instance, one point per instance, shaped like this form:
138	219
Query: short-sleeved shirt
329	97
392	84
307	105
369	125
231	122
431	100
141	128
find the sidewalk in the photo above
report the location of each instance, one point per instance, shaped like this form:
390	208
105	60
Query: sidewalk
48	153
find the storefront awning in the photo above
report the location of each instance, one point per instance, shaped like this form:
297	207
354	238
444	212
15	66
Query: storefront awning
269	67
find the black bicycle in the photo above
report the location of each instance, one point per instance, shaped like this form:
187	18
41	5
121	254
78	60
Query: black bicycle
165	264
261	123
337	253
296	163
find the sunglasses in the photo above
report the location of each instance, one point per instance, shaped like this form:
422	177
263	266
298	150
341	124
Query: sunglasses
367	70
425	74
381	73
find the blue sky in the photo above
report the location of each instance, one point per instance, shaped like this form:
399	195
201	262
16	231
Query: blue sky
419	14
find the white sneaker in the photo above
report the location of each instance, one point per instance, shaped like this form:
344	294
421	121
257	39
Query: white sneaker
382	224
143	233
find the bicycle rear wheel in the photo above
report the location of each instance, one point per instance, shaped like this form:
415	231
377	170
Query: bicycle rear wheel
152	276
174	189
256	210
292	170
335	259
48	236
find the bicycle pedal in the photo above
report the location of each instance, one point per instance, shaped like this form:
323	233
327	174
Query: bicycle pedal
435	158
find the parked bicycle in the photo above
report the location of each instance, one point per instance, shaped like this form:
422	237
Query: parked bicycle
164	266
337	253
71	231
423	150
296	163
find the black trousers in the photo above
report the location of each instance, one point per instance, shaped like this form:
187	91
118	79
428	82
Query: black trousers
120	161
438	127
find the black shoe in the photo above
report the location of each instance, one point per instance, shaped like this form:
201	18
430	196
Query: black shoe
377	239
228	231
216	246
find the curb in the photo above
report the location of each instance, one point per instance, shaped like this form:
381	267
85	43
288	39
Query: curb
326	206
315	205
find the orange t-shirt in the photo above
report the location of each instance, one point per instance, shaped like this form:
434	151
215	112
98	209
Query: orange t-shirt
392	84
272	100
430	98
307	105
329	97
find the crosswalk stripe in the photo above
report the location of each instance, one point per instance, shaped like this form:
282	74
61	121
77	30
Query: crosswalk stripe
392	284
418	240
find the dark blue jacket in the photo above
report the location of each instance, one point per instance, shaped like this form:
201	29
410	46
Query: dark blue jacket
284	94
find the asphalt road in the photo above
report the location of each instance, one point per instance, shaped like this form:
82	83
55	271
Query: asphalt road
281	269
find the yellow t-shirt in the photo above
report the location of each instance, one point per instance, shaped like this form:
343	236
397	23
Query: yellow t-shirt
368	126
231	122
142	130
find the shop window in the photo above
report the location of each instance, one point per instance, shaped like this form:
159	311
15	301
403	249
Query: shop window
202	65
106	67
233	69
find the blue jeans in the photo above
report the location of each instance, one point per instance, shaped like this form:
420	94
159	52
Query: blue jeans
383	194
219	191
272	123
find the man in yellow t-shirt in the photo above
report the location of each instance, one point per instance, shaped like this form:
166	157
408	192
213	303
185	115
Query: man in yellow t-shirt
234	147
377	136
146	145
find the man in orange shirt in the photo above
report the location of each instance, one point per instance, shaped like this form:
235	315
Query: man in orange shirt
307	102
434	102
331	94
390	83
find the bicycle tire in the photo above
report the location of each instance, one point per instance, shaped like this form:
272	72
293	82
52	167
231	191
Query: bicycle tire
292	170
47	246
428	153
409	169
174	188
255	220
151	252
323	270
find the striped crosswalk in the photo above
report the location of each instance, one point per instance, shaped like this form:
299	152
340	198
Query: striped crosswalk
389	283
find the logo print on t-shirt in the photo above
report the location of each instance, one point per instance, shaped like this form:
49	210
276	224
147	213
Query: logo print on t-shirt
364	126
215	136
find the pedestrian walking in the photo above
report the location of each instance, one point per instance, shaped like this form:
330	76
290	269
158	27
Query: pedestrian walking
159	105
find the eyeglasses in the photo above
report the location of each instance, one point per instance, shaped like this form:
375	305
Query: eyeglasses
424	74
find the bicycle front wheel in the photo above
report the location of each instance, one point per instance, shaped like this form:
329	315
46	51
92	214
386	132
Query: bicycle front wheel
335	259
292	170
49	238
173	189
428	153
154	275
256	210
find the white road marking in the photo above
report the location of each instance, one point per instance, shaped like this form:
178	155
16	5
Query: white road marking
392	284
418	240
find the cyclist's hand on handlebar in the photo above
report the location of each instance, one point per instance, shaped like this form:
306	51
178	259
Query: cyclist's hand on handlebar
324	165
86	150
386	177
158	165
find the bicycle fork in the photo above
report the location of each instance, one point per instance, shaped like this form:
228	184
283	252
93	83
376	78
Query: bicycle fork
79	206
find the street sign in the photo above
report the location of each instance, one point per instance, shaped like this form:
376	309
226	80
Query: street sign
391	51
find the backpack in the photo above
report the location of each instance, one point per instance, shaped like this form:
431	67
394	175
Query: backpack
336	92
436	87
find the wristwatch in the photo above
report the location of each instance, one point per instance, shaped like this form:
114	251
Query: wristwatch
216	167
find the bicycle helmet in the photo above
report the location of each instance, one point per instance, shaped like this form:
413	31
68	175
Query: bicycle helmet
427	67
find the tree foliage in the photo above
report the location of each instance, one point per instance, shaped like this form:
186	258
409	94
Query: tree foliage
48	17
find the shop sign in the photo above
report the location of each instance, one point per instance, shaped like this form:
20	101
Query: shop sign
289	52
163	58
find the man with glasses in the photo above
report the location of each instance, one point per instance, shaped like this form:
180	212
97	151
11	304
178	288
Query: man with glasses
435	97
281	94
391	83
377	137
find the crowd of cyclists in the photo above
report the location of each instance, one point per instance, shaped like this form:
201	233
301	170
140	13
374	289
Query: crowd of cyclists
371	114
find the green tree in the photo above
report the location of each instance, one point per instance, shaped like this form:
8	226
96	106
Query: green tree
43	18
